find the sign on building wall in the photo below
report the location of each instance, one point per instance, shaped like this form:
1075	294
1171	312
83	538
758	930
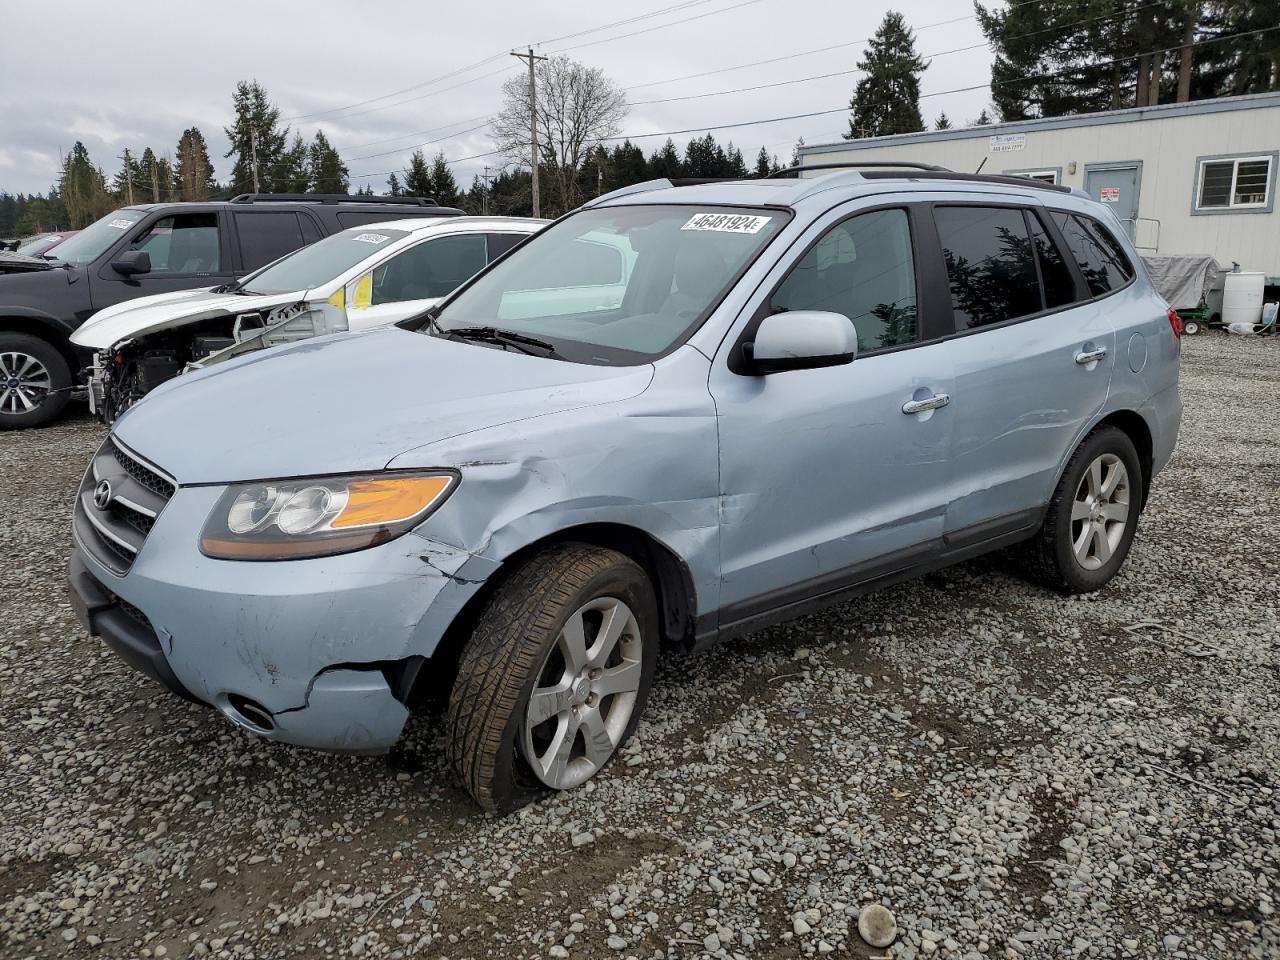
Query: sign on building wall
1110	195
1008	142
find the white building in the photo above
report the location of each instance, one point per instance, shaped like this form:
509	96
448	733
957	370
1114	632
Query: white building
1188	178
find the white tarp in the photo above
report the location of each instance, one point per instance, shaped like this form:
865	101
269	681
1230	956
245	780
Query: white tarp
1183	280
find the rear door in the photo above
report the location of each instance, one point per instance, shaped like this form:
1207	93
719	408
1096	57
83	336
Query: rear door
263	236
1032	357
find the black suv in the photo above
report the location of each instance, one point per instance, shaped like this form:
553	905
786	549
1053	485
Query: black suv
145	249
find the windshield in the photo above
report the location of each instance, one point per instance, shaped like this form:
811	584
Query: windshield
321	262
617	284
91	242
38	245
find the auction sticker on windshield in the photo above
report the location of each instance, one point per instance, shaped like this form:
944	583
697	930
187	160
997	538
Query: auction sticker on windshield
122	224
372	238
726	222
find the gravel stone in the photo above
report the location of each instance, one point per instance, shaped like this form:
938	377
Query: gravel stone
1007	772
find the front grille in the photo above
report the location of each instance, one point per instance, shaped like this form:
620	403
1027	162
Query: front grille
149	478
114	533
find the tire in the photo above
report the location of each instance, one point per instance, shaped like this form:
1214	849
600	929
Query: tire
503	753
35	381
1191	327
1054	556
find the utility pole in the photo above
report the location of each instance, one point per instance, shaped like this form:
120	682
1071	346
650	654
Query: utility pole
533	125
253	147
484	197
127	160
155	183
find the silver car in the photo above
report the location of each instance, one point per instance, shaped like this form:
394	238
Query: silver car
674	416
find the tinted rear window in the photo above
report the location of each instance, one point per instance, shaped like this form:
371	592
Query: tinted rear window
1059	284
990	264
1101	260
265	237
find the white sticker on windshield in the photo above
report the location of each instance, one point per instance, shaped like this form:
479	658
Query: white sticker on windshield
372	238
726	222
121	224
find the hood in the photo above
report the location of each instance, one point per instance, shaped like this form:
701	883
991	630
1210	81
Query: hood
136	318
11	262
352	402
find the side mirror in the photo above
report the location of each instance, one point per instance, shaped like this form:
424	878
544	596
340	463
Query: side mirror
802	340
131	262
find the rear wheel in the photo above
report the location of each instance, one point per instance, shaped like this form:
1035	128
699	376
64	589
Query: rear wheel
1190	327
35	381
554	677
1092	517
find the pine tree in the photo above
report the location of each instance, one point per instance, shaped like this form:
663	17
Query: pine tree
626	166
795	152
984	119
665	163
444	188
737	166
393	186
255	115
83	188
292	171
417	178
193	173
887	100
127	185
943	122
325	169
762	169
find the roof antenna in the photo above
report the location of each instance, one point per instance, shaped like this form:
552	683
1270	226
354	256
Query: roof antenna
980	166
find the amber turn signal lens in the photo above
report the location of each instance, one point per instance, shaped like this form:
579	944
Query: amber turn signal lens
388	500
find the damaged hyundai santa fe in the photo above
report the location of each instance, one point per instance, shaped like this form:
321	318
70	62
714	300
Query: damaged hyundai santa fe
678	414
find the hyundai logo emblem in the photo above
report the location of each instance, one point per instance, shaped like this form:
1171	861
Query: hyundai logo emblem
102	495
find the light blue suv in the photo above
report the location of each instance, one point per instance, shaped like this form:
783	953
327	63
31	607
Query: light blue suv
674	416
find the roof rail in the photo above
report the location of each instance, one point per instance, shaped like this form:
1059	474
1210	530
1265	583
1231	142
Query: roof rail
330	198
1010	181
861	164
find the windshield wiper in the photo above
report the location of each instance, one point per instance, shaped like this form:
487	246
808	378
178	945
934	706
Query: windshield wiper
502	337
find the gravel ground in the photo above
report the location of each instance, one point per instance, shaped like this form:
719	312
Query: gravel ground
1013	773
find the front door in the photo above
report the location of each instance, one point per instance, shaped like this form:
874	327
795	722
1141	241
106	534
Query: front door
833	475
187	251
1116	185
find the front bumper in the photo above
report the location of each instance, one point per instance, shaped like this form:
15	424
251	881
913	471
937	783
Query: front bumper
308	652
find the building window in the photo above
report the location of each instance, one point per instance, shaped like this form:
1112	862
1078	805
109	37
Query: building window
1045	176
1234	183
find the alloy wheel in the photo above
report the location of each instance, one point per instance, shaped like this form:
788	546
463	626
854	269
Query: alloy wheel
585	693
24	382
1100	511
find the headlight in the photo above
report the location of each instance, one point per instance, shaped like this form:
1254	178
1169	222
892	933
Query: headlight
319	516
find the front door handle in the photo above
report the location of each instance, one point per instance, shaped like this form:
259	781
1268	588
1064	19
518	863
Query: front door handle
1089	356
928	403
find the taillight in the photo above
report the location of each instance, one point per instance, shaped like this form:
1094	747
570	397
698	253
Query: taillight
1175	322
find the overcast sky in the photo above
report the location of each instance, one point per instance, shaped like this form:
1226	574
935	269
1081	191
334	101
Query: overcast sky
137	74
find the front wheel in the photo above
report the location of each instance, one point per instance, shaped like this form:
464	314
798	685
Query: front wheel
35	381
554	677
1092	517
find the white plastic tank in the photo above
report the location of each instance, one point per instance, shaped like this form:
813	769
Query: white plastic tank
1242	301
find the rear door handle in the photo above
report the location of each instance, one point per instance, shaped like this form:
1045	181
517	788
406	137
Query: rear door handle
929	403
1089	356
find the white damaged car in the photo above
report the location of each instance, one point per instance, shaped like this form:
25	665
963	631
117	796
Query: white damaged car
367	276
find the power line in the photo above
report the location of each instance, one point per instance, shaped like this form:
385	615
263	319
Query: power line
490	59
660	26
927	56
706	128
425	143
622	23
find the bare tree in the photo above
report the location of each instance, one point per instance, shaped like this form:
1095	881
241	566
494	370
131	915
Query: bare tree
578	106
